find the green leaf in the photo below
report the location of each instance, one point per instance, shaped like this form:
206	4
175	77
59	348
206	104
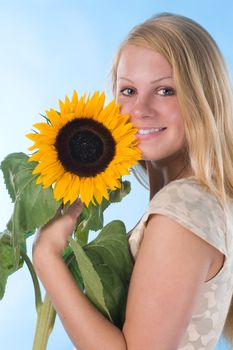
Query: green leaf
72	265
111	268
117	195
92	216
75	271
92	282
7	260
3	281
34	205
15	172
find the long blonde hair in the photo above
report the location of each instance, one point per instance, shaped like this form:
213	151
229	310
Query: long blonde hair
205	96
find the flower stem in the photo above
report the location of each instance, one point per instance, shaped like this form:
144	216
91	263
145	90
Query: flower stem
38	300
45	311
45	322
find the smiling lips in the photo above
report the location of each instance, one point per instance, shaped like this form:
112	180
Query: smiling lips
148	133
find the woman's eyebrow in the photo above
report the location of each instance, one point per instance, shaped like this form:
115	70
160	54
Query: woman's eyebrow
152	82
159	79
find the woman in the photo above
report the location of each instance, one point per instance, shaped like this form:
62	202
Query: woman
169	76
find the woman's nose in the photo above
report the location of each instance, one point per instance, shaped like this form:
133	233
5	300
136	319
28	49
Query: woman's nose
141	109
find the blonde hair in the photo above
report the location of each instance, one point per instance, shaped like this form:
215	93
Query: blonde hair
205	96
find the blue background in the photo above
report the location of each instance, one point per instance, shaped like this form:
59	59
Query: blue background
48	49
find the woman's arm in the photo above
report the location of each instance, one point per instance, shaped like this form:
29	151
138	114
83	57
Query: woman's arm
170	269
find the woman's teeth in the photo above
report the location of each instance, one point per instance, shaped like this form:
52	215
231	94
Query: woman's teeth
149	131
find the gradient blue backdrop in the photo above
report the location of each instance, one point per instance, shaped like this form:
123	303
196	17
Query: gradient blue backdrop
48	49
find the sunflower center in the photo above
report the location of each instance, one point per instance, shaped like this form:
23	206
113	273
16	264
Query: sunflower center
85	147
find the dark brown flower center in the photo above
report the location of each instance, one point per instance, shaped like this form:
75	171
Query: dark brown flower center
85	147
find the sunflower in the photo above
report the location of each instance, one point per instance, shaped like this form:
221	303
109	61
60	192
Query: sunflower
84	149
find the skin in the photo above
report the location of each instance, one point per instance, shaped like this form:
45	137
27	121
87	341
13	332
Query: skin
172	263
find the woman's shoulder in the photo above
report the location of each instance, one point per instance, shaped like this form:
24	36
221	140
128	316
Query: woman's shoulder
181	184
189	199
192	205
187	191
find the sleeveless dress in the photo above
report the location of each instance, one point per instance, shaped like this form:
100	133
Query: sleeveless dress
192	206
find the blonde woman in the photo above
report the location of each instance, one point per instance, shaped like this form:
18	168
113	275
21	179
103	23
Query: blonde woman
170	77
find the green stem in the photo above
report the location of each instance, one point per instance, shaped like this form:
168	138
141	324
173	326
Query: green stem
45	322
69	259
38	300
45	311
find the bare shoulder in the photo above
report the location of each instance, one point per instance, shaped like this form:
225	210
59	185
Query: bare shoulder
171	267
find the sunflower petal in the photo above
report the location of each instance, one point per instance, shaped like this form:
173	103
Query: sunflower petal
86	190
74	189
74	101
99	196
62	185
65	107
53	116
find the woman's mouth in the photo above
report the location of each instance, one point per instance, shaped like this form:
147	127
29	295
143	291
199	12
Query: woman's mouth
144	134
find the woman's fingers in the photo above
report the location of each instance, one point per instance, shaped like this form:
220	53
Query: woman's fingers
75	209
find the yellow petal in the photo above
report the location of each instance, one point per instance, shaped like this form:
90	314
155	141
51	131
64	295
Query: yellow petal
45	128
80	107
65	107
33	136
54	117
99	196
62	185
100	185
74	189
50	178
74	100
86	190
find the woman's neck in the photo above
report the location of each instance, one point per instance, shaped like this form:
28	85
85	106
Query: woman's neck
161	176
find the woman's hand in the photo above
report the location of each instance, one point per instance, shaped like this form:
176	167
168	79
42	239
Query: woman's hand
53	237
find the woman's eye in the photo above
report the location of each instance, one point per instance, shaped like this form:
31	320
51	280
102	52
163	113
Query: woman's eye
127	91
166	92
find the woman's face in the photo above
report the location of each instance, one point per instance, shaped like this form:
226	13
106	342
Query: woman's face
146	91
